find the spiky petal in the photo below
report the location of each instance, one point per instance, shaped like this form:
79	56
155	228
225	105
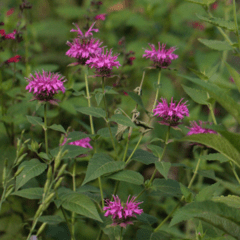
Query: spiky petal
197	129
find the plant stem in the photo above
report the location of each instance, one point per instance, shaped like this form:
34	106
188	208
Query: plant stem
74	190
115	189
134	150
2	197
101	191
105	106
45	127
158	86
236	23
234	172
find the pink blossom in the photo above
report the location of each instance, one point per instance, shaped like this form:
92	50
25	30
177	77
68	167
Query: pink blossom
197	129
14	59
84	142
170	115
101	17
46	85
104	63
162	57
122	213
8	36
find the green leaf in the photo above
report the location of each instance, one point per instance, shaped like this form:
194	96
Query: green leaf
68	106
219	22
76	135
99	97
188	195
137	99
163	168
143	156
81	204
200	2
168	188
215	157
196	95
207	193
230	200
58	127
216	44
92	111
234	74
30	193
104	132
199	74
51	220
219	95
216	142
31	169
219	215
146	218
147	234
156	150
128	176
123	120
35	120
101	164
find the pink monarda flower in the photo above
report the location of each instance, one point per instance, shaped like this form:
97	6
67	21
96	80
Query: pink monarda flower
122	213
13	59
170	115
197	129
104	63
162	57
9	35
81	142
84	47
45	86
101	17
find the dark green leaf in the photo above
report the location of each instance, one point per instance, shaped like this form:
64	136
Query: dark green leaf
143	156
104	132
207	193
51	220
216	44
230	200
92	111
137	99
99	97
156	150
123	120
35	120
30	193
58	127
163	168
235	75
215	157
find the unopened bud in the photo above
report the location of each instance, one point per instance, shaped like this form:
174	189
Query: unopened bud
9	190
19	171
21	158
46	186
62	169
49	173
40	230
58	183
39	211
4	171
49	198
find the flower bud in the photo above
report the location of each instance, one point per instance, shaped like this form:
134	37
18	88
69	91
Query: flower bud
49	198
62	169
9	190
46	185
19	171
4	175
40	230
58	183
49	173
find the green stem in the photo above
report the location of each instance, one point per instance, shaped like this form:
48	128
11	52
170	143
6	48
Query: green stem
236	23
2	197
101	191
74	190
65	217
88	99
115	189
121	234
105	106
100	235
158	86
134	150
125	152
234	172
45	127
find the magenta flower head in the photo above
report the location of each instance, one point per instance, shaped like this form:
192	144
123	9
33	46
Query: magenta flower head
45	85
84	47
84	142
172	114
103	63
162	57
197	129
122	213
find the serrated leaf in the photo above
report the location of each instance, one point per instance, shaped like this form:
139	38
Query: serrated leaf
225	100
219	215
156	150
196	95
230	200
92	111
101	164
99	97
57	127
216	44
43	155
128	176
234	74
137	99
31	169
30	193
199	74
216	142
207	193
219	22
163	168
168	188
104	132
81	204
123	120
143	156
51	220
35	120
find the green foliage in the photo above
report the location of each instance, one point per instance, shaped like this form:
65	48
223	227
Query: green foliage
216	45
30	193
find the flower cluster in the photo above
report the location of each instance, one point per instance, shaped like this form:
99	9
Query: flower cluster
45	86
122	213
197	129
161	57
172	114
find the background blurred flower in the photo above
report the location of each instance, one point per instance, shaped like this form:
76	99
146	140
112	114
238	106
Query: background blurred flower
84	142
197	129
101	17
170	115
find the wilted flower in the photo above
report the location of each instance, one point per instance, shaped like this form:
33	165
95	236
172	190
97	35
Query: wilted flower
162	57
197	129
104	63
14	59
84	47
101	17
46	85
122	213
170	115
